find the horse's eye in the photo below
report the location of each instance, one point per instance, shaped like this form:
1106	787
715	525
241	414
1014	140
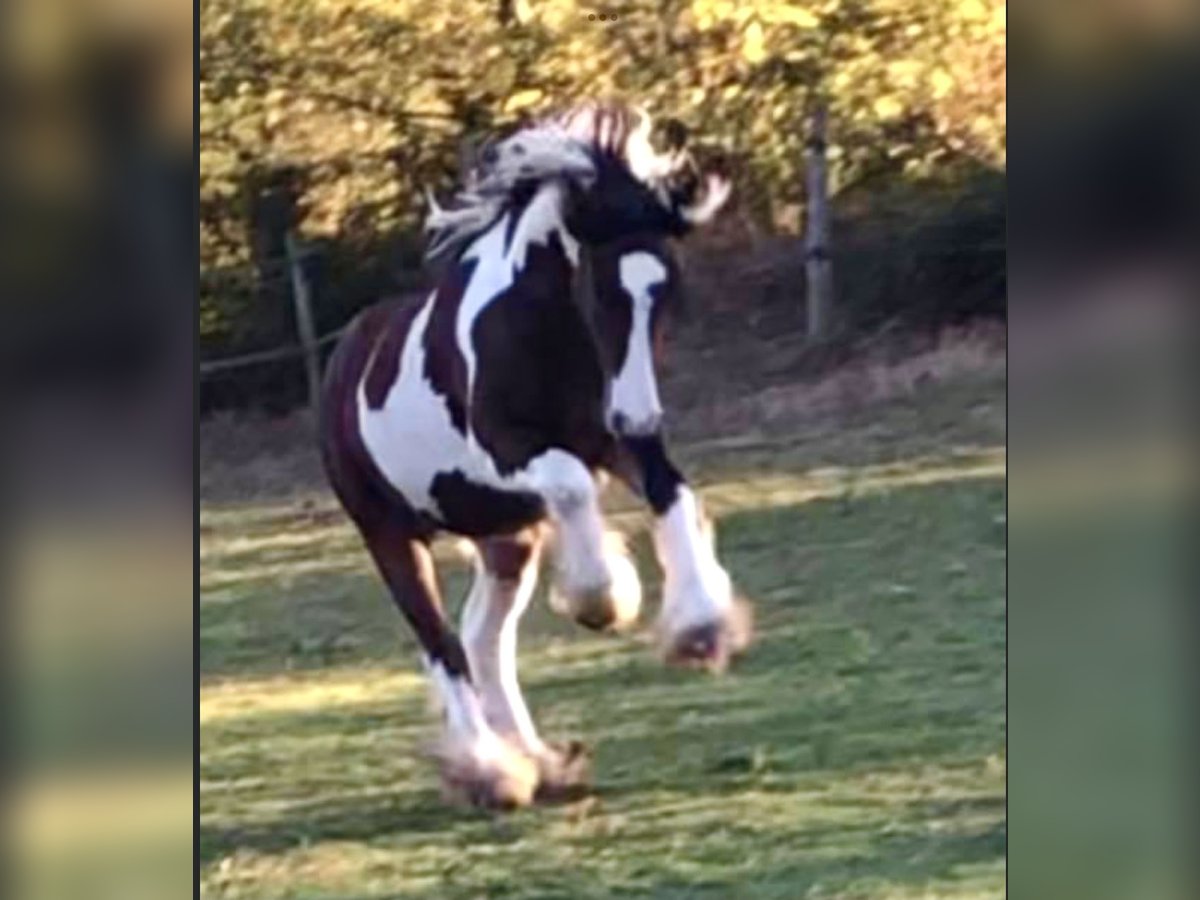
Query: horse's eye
490	156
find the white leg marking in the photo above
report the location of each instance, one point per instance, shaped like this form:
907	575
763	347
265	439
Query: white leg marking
634	395
696	589
489	628
571	497
466	725
475	759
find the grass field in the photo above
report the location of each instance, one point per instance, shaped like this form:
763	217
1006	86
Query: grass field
856	751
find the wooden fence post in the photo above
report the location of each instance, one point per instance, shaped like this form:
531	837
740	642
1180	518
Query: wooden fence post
818	266
301	297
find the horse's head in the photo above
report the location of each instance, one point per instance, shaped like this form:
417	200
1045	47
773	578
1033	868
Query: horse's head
639	198
616	182
637	188
628	288
620	199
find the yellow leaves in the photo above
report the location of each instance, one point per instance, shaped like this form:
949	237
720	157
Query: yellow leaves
789	14
888	107
754	44
973	10
711	12
522	100
983	124
950	65
942	83
905	73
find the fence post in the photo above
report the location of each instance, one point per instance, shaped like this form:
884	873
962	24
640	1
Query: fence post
301	297
818	266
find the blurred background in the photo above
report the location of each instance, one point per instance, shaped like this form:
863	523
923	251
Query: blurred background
859	469
325	122
97	262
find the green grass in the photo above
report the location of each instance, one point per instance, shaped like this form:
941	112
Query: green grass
856	751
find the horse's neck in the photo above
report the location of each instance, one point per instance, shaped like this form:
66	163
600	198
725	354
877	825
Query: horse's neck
541	218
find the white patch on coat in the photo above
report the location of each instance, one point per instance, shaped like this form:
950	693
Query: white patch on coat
489	631
411	437
634	391
696	589
569	490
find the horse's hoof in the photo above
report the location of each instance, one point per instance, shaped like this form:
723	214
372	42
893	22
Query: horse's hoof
504	779
610	600
711	645
563	773
593	609
612	606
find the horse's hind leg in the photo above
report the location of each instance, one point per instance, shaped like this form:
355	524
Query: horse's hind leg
505	577
477	764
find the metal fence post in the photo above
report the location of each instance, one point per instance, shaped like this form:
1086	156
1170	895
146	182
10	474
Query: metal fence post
818	266
302	299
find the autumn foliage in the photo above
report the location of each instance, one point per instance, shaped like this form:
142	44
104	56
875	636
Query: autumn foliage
360	104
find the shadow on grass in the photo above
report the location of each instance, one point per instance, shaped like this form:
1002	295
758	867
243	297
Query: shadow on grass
793	859
411	813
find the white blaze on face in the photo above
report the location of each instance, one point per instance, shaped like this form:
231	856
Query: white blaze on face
634	395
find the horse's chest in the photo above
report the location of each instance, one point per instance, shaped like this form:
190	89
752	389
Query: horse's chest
422	436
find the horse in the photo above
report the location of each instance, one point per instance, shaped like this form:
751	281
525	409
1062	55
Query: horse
493	409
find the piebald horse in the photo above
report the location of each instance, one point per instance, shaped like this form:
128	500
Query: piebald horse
491	410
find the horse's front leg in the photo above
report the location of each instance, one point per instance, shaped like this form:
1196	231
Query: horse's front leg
702	621
597	583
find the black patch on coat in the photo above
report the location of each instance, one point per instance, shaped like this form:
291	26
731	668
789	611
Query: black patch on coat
390	327
660	479
445	366
522	196
617	204
539	381
476	510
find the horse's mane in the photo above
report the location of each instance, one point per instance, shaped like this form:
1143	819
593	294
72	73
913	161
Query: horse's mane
546	147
